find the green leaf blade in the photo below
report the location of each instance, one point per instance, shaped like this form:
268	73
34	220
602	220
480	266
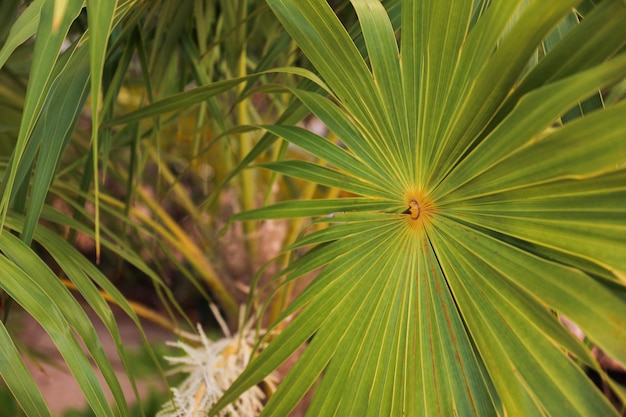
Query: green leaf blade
17	378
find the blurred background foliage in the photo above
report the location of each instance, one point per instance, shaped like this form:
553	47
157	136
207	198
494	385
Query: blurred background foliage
155	175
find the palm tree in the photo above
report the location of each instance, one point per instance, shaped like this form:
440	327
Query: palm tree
476	164
480	211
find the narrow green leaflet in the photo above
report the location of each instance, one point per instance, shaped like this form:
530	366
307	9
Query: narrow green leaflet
100	20
53	131
85	276
72	316
338	123
88	280
308	208
52	31
18	379
327	151
36	301
385	66
324	176
23	29
177	101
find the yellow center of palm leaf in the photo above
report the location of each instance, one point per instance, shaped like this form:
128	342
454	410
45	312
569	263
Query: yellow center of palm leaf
414	209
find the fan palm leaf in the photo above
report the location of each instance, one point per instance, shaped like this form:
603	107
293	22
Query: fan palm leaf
476	218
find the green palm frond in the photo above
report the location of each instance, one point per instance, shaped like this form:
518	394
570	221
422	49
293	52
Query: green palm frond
478	219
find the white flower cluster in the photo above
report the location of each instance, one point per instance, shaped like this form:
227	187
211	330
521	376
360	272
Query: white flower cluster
212	368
